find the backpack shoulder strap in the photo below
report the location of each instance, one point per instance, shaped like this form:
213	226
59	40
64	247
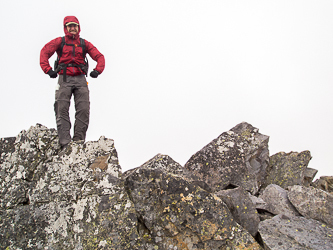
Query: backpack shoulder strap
83	45
84	52
59	51
61	46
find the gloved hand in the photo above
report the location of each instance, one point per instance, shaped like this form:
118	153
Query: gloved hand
52	73
94	74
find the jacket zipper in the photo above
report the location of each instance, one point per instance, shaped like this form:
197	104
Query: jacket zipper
73	56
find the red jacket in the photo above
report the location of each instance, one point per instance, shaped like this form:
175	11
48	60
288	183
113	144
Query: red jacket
70	54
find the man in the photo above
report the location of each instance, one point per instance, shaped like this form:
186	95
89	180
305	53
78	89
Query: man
72	69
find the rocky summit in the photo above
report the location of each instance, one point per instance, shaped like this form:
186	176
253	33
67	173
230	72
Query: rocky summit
229	195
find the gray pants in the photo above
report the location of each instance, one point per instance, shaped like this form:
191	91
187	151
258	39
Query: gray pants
77	86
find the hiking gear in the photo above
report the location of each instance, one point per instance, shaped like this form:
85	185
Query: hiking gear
94	74
63	66
52	73
63	147
70	54
72	68
77	86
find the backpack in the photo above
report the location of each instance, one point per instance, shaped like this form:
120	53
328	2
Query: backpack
84	67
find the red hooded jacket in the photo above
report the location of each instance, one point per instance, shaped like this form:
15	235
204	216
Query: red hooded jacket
70	54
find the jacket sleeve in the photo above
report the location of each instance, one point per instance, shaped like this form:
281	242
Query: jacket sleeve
46	52
96	56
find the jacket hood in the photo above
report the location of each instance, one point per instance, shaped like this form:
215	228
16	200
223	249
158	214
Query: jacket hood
68	19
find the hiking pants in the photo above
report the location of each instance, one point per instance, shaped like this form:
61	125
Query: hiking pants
77	86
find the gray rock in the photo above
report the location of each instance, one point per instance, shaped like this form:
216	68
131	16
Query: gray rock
242	208
261	207
76	171
288	169
312	203
20	157
73	199
175	213
78	198
6	146
284	233
276	199
309	175
238	157
324	183
258	202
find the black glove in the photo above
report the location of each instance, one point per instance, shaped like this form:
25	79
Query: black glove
94	74
52	73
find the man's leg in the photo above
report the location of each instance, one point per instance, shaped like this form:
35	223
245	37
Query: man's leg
61	109
82	108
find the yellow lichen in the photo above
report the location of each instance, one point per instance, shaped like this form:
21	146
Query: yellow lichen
216	198
166	209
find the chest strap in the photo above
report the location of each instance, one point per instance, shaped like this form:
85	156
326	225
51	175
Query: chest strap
84	67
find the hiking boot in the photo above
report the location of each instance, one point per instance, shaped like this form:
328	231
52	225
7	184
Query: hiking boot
78	141
63	147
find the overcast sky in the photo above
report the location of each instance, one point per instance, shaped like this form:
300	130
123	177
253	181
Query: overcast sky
179	73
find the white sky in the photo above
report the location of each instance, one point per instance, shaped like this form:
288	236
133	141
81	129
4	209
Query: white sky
181	72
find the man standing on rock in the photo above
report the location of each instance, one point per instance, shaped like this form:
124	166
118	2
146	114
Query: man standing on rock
72	68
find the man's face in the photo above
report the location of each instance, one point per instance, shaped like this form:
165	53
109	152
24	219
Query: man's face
73	29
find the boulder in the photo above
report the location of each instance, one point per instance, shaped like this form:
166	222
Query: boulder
312	203
71	199
276	199
324	183
309	175
238	157
288	169
175	213
241	207
20	157
262	208
295	232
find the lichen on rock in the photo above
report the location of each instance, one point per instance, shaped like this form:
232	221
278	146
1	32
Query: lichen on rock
238	157
73	199
78	197
288	169
174	211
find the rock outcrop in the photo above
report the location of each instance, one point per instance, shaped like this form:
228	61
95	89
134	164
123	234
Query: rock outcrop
176	213
242	208
313	203
238	157
285	233
325	183
74	199
229	195
288	169
277	202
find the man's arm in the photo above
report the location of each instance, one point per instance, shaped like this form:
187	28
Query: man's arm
46	52
96	56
